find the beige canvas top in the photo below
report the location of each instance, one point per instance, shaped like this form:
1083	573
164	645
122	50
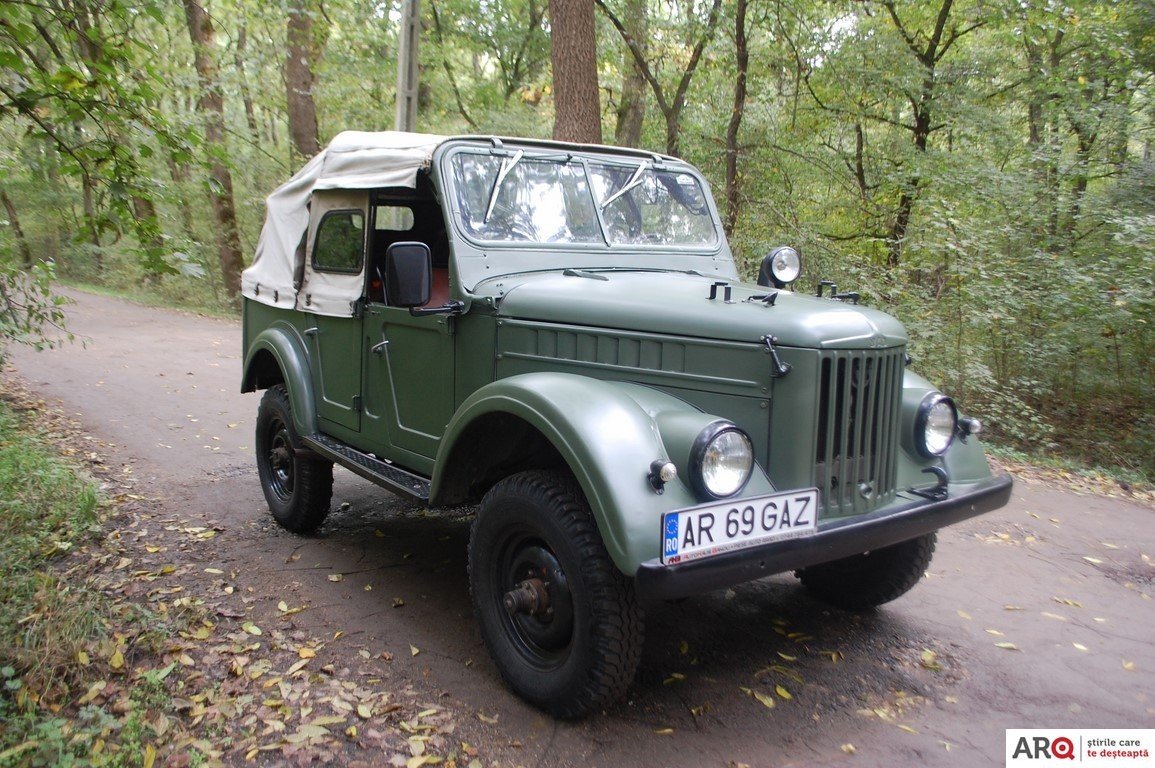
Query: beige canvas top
352	160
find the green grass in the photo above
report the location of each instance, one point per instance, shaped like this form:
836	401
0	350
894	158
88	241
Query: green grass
48	615
46	509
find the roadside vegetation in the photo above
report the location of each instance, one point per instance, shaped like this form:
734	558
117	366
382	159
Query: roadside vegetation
120	647
55	628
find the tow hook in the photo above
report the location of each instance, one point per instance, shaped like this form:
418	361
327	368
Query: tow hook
530	596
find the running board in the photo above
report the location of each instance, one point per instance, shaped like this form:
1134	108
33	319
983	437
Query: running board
368	467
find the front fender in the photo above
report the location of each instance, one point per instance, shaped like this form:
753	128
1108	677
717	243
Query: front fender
964	461
608	433
286	347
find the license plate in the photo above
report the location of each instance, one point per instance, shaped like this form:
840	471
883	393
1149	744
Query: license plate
711	529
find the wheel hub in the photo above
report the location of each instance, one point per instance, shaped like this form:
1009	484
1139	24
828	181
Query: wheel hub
530	597
536	597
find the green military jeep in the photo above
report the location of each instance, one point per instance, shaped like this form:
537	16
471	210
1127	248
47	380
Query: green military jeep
560	333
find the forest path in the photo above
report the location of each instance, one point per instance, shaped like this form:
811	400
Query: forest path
929	680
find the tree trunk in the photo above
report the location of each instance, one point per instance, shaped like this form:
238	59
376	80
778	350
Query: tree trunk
631	111
671	108
578	114
211	104
14	223
408	67
928	55
305	41
742	54
243	82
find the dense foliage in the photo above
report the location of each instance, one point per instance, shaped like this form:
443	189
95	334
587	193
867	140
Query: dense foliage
982	169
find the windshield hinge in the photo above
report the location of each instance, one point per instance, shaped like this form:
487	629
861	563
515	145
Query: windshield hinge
779	368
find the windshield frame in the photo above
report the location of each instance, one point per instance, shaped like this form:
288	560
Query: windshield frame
475	261
633	161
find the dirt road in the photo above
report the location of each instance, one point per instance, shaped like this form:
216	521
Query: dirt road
1038	615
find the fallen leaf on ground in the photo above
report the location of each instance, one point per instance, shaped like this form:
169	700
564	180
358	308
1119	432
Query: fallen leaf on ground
783	692
766	699
1007	646
848	749
414	650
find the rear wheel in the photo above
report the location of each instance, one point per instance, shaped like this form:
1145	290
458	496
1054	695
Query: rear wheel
561	622
872	578
297	489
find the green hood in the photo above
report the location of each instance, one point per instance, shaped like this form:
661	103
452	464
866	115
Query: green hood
678	304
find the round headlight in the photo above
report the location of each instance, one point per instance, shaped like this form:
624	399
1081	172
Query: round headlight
785	265
722	459
935	424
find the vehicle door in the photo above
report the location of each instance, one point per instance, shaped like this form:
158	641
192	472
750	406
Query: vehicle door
409	359
331	296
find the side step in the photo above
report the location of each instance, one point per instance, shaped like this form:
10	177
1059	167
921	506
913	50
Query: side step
368	467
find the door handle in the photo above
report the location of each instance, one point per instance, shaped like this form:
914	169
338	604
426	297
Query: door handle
379	349
310	331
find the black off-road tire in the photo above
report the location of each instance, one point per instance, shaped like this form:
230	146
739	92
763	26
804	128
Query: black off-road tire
583	654
298	489
871	579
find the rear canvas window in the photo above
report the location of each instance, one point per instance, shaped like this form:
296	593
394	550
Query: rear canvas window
340	244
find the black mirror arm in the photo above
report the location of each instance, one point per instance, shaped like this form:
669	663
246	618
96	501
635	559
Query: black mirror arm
448	308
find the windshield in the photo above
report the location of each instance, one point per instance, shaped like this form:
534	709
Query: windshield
566	199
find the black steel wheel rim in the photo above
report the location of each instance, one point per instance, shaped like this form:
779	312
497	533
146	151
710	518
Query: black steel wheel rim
281	460
542	639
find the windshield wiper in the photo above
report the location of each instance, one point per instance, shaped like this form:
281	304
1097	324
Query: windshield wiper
634	181
507	164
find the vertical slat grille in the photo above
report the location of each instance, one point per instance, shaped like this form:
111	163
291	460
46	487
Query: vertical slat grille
858	412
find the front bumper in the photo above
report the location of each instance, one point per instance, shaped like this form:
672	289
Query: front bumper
834	540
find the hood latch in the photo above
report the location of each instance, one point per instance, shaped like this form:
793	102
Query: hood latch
779	368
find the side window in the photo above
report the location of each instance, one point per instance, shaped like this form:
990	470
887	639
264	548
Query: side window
396	218
340	243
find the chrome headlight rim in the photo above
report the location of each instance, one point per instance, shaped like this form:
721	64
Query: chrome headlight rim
922	421
700	453
785	265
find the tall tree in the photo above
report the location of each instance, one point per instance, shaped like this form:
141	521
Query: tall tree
631	112
211	104
305	40
742	57
17	231
575	72
671	105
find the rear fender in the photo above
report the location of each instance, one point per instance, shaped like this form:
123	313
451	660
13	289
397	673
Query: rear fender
608	434
283	344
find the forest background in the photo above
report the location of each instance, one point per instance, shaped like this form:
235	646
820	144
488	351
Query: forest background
981	168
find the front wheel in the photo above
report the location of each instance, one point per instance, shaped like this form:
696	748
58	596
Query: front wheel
298	489
561	622
873	578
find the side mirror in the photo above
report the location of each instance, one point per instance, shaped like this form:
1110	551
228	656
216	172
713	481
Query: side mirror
408	274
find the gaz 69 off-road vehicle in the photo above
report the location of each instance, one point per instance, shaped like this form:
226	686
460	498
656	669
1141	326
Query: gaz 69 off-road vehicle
560	333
